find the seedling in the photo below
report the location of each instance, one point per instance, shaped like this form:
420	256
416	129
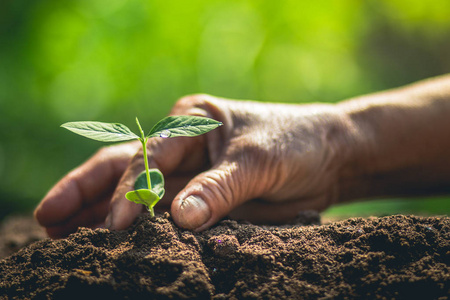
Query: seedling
149	185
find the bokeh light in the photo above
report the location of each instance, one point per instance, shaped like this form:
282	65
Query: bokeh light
111	61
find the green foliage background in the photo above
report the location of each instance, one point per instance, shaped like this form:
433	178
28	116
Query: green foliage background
112	60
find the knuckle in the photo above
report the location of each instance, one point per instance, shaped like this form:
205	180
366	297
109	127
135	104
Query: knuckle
220	189
195	104
137	160
118	153
103	151
191	100
227	187
107	152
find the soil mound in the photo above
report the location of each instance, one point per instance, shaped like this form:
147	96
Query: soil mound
401	257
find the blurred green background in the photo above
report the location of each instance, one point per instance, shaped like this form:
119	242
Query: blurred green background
113	60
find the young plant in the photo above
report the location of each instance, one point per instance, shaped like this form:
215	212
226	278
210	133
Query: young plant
149	185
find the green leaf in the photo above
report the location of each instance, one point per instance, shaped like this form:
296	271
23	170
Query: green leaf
103	132
143	196
174	126
157	181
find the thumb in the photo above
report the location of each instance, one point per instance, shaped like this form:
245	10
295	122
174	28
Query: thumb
212	195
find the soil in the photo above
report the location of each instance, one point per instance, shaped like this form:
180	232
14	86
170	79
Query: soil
400	257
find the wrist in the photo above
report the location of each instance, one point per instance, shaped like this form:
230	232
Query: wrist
397	143
353	147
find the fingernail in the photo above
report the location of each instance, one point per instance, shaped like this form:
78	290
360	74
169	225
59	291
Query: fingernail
108	222
193	212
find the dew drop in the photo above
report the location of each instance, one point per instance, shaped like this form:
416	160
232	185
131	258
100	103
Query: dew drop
165	134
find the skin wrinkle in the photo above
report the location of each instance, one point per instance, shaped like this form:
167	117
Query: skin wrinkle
250	163
323	169
265	142
270	141
230	174
288	171
234	174
256	178
308	156
294	150
265	181
368	108
372	149
346	136
405	151
336	156
223	190
328	156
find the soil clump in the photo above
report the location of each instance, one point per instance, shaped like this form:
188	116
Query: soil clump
400	257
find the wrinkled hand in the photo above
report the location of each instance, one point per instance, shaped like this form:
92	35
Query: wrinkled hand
267	163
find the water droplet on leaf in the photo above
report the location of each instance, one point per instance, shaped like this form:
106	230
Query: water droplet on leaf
165	134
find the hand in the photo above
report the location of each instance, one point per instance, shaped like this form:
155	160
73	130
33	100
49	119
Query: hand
267	163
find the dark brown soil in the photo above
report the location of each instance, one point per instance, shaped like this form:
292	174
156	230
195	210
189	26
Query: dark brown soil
401	257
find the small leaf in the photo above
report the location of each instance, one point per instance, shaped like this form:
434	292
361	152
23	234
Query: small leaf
141	181
157	181
174	126
103	132
143	196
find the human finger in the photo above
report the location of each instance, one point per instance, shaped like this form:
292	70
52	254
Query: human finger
85	185
213	194
92	217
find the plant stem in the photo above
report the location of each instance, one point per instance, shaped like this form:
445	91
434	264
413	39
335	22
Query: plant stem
144	149
147	172
143	141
